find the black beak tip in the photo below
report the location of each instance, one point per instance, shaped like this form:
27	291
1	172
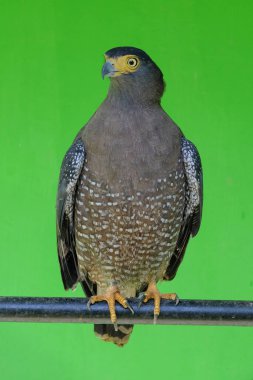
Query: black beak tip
107	69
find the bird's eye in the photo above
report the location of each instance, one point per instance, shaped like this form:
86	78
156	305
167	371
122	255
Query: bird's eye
133	62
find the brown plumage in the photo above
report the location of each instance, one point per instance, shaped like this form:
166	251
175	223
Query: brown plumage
130	191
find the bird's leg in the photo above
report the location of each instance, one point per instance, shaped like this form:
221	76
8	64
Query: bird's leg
153	293
111	295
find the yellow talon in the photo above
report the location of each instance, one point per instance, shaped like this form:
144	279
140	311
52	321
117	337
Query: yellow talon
153	293
111	296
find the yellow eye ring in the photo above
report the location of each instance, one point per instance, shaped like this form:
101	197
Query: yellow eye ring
133	62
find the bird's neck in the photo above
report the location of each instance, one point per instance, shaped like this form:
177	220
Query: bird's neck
129	93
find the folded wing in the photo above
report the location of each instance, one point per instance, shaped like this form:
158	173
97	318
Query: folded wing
71	169
193	204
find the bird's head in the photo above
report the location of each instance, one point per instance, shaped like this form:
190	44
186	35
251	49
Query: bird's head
133	74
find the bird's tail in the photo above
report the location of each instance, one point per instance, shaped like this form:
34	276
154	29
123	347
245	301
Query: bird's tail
108	333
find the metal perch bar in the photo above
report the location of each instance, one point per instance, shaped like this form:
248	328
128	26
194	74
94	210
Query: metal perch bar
75	310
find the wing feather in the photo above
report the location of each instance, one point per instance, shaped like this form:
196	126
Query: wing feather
193	205
71	168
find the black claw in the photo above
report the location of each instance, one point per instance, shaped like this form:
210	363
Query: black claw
88	305
141	298
115	326
130	308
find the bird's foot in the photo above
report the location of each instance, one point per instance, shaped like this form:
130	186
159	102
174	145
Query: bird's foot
153	293
111	296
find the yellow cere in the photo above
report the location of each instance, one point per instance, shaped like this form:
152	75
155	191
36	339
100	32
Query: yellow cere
125	64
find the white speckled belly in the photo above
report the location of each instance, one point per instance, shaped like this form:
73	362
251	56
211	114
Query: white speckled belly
127	238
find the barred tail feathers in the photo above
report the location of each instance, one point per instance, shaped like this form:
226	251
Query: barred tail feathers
108	334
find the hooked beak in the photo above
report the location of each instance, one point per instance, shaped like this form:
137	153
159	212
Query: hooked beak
108	70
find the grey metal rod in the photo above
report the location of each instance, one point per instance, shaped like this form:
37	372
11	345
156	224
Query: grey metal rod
75	310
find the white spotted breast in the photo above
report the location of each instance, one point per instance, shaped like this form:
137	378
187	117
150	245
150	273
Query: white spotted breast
126	236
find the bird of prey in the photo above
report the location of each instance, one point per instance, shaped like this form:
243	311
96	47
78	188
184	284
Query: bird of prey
129	195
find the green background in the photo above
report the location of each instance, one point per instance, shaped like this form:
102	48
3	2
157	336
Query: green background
51	53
